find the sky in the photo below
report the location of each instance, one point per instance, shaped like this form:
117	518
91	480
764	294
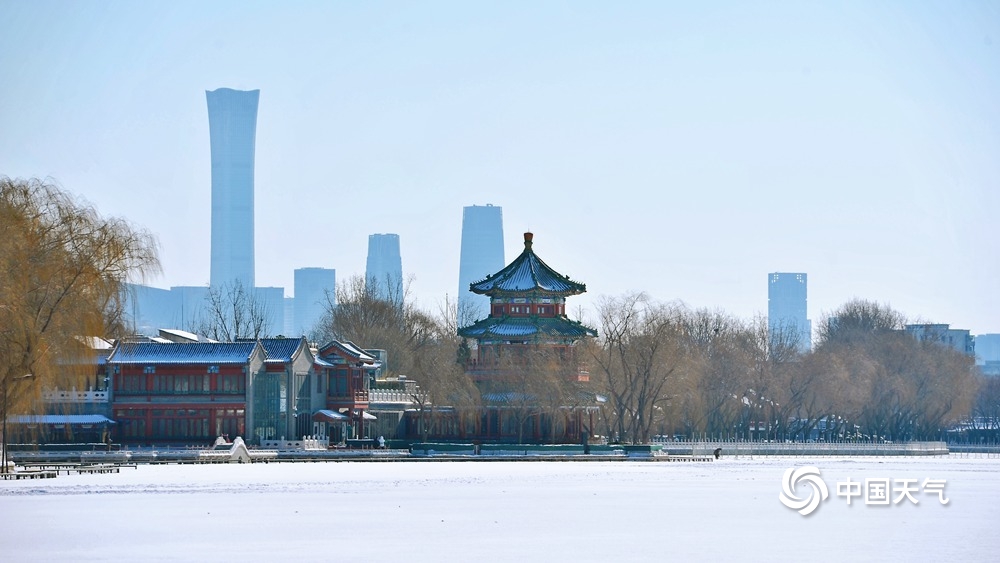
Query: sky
681	149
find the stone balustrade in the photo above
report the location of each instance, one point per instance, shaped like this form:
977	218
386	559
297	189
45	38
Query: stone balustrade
74	396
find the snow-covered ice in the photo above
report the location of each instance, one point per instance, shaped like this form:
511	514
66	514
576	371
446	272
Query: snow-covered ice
504	511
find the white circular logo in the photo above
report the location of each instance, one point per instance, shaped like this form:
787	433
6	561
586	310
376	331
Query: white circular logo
810	475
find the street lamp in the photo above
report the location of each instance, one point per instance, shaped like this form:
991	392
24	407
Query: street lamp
6	381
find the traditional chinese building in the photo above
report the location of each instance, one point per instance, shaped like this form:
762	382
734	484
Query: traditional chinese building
527	311
167	393
526	361
344	372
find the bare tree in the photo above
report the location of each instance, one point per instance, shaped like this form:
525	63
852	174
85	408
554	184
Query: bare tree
984	418
641	349
856	321
432	360
363	316
234	312
718	346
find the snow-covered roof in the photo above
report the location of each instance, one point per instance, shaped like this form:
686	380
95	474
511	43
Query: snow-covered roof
527	274
95	342
329	415
60	419
280	349
191	353
182	336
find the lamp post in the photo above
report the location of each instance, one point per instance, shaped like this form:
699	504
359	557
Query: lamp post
6	381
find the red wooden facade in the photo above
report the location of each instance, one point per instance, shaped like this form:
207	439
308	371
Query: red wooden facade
179	403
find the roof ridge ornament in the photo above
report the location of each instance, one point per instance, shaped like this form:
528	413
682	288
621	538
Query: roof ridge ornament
527	240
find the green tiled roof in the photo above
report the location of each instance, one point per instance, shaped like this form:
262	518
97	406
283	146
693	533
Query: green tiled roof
525	327
527	274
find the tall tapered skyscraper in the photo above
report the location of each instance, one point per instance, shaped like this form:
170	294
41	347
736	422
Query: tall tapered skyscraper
481	254
384	269
232	124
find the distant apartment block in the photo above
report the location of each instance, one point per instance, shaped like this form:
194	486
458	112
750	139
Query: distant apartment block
482	254
958	339
312	286
787	310
149	309
232	121
384	268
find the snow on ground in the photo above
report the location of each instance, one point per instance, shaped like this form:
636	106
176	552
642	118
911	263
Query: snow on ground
504	511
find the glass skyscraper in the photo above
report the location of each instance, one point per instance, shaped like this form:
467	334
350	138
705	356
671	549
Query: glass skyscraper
481	254
787	309
384	268
311	287
232	123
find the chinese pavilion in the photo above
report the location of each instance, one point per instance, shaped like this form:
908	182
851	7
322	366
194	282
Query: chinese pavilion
527	308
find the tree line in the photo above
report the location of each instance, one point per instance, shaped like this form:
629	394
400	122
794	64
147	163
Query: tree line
674	371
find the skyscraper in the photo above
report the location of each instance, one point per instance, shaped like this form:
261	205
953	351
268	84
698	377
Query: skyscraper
787	310
481	254
232	124
311	288
384	269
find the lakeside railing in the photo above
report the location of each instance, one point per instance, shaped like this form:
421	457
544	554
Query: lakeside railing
747	448
389	396
304	443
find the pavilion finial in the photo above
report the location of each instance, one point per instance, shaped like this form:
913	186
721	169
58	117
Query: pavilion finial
527	240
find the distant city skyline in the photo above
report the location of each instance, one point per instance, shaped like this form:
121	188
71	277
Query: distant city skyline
681	150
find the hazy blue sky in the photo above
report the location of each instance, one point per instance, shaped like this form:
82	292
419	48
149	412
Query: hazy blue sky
678	148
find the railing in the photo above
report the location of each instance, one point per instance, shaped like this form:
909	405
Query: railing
346	396
389	396
306	443
74	396
747	448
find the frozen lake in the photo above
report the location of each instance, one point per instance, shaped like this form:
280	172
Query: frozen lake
504	511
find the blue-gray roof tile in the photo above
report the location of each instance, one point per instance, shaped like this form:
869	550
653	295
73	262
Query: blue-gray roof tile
280	349
176	353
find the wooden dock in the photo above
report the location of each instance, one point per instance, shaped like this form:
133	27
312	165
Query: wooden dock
78	468
32	474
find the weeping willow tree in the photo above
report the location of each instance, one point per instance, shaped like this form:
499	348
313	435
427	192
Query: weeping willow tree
63	270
